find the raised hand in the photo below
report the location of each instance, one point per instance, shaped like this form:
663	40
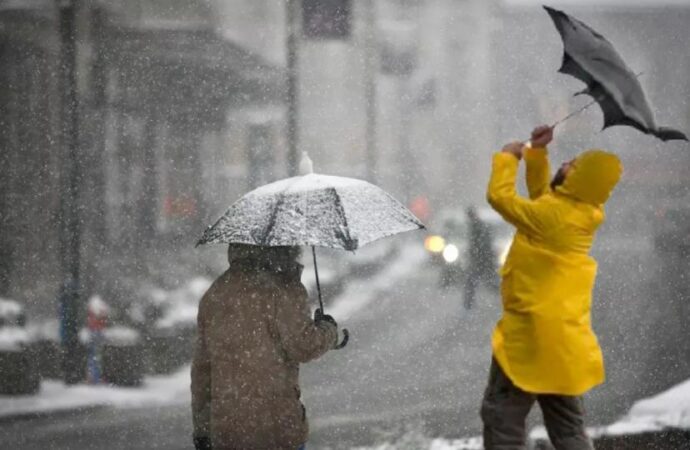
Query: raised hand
541	136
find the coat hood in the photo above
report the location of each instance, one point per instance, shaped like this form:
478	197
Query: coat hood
594	175
250	258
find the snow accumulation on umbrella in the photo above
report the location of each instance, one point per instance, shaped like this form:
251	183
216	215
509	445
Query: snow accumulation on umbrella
313	210
310	182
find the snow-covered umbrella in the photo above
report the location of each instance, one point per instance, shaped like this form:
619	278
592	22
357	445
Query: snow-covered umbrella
312	210
591	58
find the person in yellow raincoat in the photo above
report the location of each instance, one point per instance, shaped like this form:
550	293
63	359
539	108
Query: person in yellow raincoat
544	349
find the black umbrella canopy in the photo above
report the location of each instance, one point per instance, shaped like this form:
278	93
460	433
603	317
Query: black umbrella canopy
591	58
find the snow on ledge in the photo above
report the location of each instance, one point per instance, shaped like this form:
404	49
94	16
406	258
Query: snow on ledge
55	396
473	443
668	409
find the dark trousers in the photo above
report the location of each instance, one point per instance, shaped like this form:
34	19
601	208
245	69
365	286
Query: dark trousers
505	408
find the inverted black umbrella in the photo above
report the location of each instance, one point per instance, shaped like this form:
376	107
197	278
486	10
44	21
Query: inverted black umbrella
312	210
590	57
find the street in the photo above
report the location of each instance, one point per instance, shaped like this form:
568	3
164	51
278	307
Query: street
139	139
416	362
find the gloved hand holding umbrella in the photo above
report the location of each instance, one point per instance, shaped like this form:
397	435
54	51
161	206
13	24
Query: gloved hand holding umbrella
591	58
312	210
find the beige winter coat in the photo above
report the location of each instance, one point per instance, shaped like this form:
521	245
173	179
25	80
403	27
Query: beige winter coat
254	329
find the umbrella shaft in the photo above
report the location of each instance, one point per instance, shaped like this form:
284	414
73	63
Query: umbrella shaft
316	272
574	113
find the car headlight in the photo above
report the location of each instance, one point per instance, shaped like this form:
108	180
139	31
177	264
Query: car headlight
451	253
503	255
434	244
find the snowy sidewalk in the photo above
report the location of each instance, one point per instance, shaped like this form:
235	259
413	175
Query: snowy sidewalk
56	397
653	420
433	444
359	293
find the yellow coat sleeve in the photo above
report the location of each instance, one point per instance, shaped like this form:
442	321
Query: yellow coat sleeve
528	216
538	173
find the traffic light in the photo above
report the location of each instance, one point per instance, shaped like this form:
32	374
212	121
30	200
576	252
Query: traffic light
326	19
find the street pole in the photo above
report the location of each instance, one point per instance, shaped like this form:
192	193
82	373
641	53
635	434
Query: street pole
70	230
291	15
370	76
404	129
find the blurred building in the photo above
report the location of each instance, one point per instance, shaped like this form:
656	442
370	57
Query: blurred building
29	150
182	109
175	120
430	65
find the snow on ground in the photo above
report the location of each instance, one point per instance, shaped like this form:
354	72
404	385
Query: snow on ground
669	409
357	295
55	396
157	390
474	443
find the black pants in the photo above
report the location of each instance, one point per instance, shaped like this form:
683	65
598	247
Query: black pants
505	408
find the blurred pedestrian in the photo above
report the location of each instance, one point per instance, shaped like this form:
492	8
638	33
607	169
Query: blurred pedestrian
96	321
544	349
254	329
481	261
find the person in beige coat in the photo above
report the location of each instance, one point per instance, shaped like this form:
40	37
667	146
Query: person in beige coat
254	329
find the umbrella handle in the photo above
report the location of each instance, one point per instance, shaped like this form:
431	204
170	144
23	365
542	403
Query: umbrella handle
346	333
316	273
346	338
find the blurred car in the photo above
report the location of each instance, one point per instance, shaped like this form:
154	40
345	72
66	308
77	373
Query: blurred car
448	242
20	375
47	347
167	321
338	267
122	354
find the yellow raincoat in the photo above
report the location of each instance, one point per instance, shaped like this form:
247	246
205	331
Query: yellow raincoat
544	342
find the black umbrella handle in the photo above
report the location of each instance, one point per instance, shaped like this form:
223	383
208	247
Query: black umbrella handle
346	333
346	338
316	272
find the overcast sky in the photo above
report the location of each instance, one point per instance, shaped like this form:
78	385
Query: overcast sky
630	3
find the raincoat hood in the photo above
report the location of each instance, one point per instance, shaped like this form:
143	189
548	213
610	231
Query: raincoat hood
593	176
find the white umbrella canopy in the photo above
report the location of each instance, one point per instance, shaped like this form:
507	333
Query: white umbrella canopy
314	210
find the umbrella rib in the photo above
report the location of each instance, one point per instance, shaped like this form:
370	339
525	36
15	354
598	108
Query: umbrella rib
272	219
274	213
341	210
